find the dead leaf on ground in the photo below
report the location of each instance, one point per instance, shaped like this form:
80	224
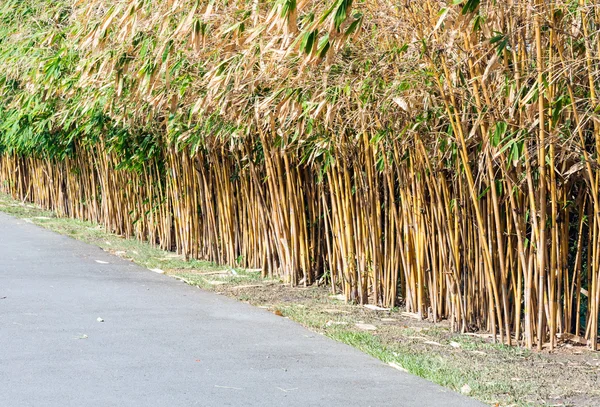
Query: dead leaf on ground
239	287
485	336
375	307
214	282
335	311
287	390
223	273
397	366
330	323
420	338
228	387
366	327
184	280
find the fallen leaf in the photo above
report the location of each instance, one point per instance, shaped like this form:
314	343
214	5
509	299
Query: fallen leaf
213	282
222	273
402	103
330	323
228	387
278	313
397	366
366	327
240	287
486	336
420	338
335	311
376	308
182	279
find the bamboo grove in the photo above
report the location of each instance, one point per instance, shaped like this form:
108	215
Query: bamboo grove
440	155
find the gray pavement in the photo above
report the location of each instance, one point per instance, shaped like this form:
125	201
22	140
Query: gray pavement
163	343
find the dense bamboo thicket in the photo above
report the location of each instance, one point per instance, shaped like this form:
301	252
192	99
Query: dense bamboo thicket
440	154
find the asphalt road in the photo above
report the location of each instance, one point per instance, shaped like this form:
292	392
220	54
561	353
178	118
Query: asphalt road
163	343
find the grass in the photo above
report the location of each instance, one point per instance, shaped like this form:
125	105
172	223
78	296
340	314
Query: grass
492	373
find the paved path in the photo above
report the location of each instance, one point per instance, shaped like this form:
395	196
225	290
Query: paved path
164	343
